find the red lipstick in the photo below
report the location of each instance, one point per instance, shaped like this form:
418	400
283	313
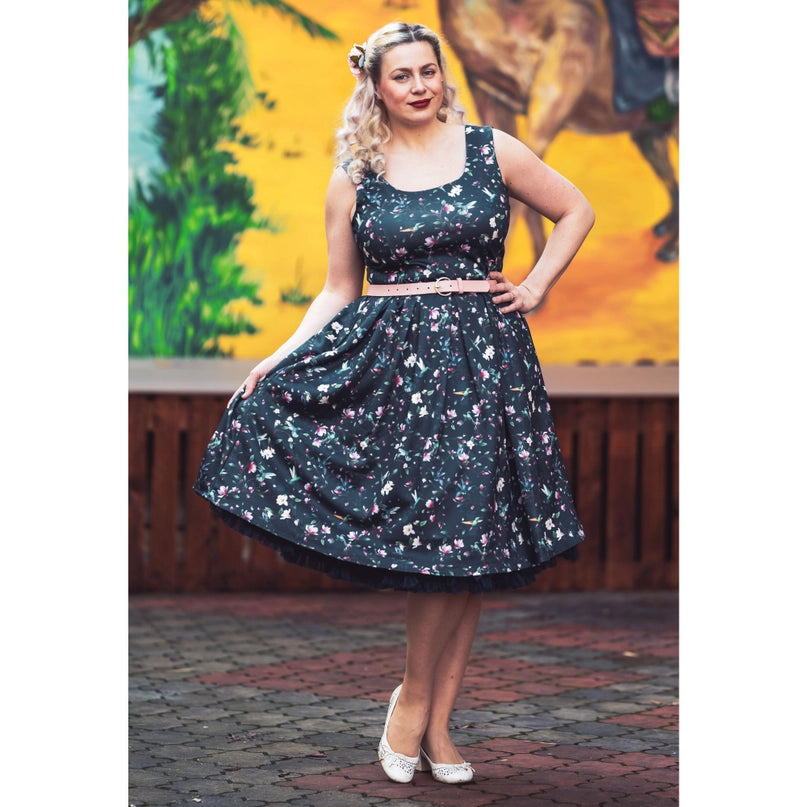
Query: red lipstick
420	104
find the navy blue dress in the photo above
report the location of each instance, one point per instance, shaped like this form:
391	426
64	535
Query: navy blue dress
409	444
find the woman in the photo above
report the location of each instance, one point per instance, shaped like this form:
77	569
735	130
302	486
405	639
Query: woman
402	438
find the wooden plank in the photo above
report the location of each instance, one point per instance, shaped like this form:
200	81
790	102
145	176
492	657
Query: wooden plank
228	570
265	568
564	415
620	506
138	474
162	566
653	492
224	568
589	494
204	412
672	579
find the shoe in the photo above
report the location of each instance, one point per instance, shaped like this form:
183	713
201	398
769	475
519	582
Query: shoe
450	774
398	767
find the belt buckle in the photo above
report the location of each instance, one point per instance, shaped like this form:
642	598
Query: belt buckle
437	286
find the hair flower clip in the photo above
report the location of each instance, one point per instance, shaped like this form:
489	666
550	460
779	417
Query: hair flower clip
355	60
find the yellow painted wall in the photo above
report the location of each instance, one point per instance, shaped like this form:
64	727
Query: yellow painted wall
615	304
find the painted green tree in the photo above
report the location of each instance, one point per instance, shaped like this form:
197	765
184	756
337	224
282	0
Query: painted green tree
186	217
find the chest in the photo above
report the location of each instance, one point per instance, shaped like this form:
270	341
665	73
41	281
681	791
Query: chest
425	171
456	217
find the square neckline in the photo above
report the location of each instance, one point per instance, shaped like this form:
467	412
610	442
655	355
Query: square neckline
465	132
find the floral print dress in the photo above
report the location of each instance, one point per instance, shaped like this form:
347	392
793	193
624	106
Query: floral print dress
409	444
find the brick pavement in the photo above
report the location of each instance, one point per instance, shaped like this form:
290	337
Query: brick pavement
251	700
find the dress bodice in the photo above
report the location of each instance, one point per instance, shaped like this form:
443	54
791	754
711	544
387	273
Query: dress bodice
453	230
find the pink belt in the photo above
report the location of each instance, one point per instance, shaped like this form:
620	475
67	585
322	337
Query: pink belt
442	286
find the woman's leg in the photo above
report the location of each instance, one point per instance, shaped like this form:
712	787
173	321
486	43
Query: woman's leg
440	629
450	670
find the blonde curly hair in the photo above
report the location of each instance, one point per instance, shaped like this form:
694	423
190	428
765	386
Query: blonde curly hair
365	124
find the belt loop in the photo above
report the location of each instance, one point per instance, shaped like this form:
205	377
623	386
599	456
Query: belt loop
459	285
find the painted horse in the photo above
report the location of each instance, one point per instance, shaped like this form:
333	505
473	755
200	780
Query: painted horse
595	66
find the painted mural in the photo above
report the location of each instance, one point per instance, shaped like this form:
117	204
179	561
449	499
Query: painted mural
232	109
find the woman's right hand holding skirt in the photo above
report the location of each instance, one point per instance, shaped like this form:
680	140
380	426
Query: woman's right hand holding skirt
255	375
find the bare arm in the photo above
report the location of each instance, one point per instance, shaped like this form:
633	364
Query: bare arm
534	183
343	283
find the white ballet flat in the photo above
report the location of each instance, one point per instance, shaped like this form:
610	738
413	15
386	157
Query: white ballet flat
398	767
450	774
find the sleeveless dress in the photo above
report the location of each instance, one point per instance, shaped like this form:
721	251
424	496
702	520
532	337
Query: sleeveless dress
409	444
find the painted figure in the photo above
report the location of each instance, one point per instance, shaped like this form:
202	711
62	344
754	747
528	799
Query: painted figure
593	66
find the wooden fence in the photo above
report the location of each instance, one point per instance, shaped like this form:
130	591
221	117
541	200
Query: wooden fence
621	453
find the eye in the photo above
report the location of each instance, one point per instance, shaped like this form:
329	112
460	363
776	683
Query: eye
400	76
429	71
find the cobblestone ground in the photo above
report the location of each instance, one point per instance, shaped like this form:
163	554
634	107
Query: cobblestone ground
265	699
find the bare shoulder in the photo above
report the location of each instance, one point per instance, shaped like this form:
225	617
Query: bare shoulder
341	193
512	155
341	183
502	140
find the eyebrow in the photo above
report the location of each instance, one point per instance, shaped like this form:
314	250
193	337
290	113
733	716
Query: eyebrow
407	67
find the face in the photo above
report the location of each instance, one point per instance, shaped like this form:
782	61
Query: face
411	84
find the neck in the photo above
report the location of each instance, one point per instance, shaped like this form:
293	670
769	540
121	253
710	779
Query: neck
417	138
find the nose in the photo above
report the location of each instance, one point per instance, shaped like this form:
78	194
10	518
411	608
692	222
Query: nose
418	86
